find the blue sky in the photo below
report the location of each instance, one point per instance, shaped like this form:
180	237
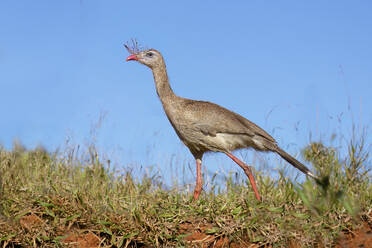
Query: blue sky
292	67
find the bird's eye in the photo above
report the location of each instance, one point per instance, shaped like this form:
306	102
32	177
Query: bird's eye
149	54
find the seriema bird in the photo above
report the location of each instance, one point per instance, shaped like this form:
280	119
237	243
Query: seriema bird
204	126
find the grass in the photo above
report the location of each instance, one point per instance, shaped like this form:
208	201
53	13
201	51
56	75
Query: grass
73	193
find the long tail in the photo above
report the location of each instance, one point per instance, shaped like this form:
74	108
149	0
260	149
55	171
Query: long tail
295	163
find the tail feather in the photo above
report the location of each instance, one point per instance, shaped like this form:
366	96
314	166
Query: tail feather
295	163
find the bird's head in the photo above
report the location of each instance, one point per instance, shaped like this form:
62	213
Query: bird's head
148	57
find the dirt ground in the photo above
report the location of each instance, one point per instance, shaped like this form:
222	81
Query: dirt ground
361	238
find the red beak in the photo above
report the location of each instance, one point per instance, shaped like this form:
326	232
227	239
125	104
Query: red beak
132	57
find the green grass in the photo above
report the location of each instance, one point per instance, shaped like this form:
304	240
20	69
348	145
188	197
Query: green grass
72	194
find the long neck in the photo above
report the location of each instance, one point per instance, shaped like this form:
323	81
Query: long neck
163	88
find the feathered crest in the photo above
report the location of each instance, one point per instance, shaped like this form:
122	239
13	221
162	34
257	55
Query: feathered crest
133	46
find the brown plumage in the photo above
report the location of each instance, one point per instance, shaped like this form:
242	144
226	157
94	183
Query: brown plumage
204	126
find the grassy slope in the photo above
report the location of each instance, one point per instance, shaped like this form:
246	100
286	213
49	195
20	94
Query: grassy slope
71	195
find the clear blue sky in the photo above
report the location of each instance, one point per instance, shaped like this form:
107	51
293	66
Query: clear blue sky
291	67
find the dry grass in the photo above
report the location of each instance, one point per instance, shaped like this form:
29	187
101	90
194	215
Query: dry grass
46	198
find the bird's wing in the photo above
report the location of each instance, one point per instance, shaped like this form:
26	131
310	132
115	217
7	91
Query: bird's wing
210	119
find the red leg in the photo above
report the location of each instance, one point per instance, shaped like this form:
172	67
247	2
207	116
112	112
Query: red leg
247	171
199	180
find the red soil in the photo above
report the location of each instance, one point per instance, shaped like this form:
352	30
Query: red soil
196	236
